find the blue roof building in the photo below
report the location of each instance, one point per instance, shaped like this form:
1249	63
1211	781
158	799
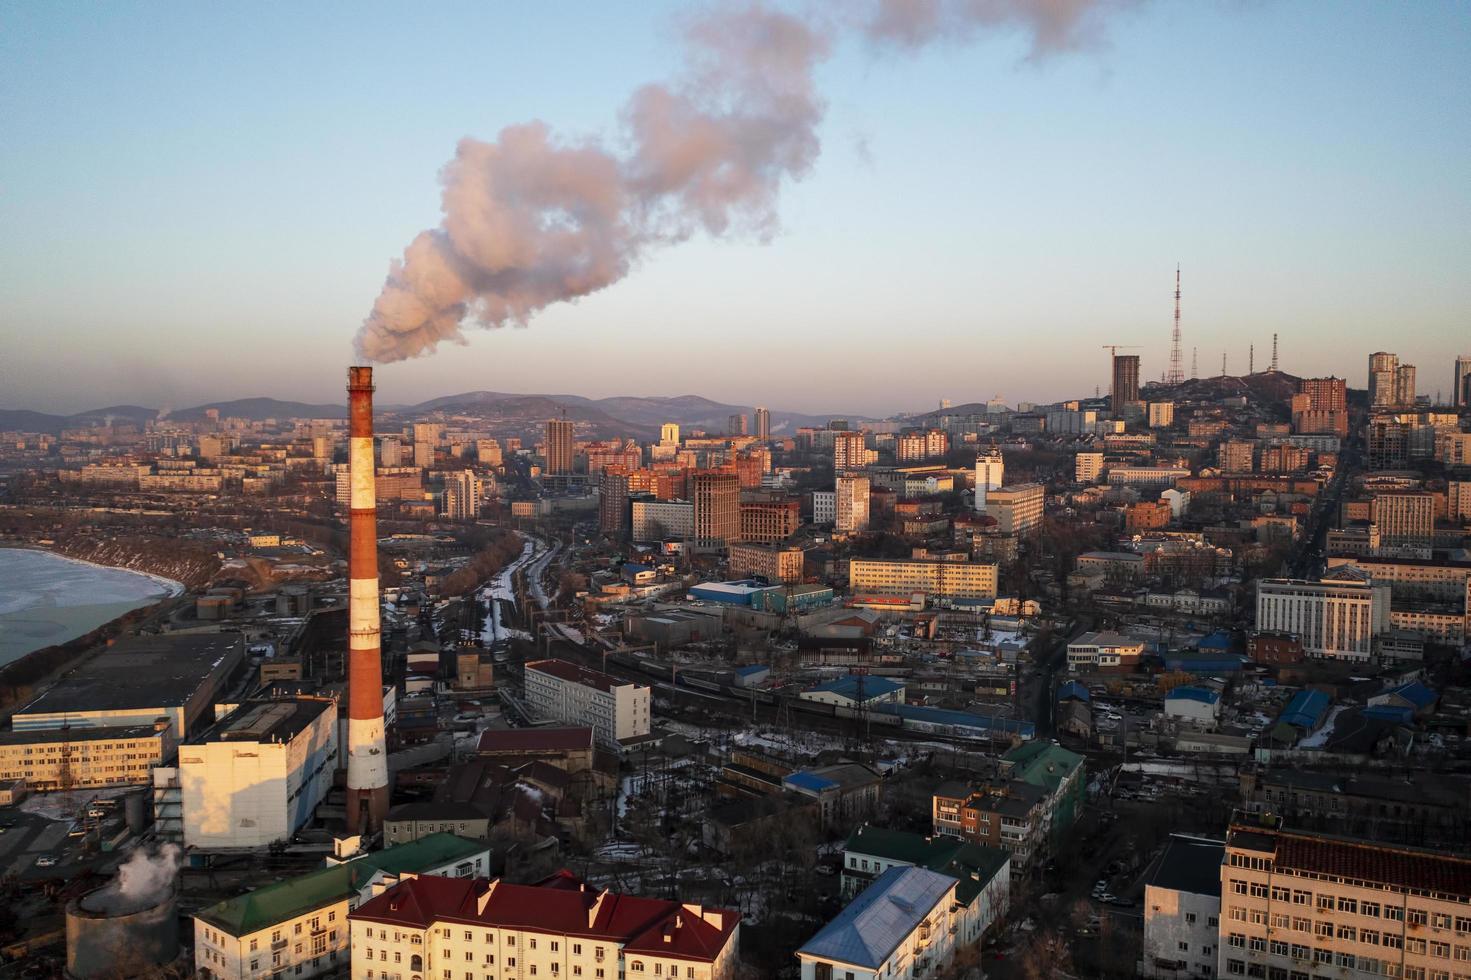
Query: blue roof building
1074	691
857	689
1415	696
1306	710
885	920
1189	693
964	723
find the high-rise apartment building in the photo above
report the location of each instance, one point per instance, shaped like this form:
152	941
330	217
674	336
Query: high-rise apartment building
614	513
390	452
614	709
1087	467
1382	369
1161	415
772	563
1298	904
1325	394
763	423
849	451
1404	385
736	425
1336	617
1125	382
463	492
1236	456
717	500
669	434
488	451
770	518
1461	382
945	579
852	503
990	470
559	446
1404	518
655	520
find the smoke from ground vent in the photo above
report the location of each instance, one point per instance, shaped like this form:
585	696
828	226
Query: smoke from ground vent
143	881
531	219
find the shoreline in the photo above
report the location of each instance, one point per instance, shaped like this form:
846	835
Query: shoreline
174	587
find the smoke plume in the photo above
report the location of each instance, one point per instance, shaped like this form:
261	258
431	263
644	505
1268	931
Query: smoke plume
531	219
142	881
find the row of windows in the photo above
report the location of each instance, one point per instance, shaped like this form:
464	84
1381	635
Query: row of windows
1325	902
1327	959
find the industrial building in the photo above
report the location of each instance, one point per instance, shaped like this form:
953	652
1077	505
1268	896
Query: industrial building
258	777
137	681
559	927
617	711
298	927
84	758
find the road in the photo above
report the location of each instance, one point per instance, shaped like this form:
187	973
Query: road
1044	678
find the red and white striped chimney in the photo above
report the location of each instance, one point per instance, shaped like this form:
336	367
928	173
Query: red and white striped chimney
367	756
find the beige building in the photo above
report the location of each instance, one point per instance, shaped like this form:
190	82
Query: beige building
656	519
766	561
1161	415
852	503
717	512
82	758
1404	518
558	928
1300	905
1017	509
849	451
1087	467
1337	619
940	579
615	710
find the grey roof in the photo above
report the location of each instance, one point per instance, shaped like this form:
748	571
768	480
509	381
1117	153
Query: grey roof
1190	864
867	932
139	672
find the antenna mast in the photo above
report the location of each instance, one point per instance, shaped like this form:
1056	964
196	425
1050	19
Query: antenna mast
1274	353
1194	363
1176	374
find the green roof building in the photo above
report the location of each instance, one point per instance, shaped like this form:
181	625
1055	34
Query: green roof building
302	922
1056	771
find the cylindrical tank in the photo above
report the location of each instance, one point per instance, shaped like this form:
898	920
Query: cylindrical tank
136	811
109	934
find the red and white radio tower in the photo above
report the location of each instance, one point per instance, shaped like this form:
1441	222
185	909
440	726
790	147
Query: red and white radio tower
1176	374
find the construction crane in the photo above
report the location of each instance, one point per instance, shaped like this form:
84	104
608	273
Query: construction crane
1113	349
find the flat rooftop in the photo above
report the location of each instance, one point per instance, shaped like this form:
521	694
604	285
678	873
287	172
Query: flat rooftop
108	734
278	720
141	672
578	675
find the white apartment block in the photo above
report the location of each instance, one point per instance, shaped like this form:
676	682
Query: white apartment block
1300	905
1333	619
902	925
824	507
656	519
1095	650
990	470
561	691
258	777
557	929
944	579
298	927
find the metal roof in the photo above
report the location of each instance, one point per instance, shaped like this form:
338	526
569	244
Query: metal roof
867	932
1188	693
851	686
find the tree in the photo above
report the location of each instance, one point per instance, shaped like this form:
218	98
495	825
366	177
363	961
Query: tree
1046	957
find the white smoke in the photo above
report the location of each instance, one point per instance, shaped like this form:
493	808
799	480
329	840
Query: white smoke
531	219
142	881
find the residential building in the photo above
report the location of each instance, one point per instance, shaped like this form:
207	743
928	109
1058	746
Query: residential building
990	472
298	927
654	520
1336	617
1404	518
736	425
849	451
982	874
937	579
257	777
772	563
1060	774
717	513
1236	456
900	926
1382	370
559	447
1458	502
1404	384
618	712
615	516
1017	509
1011	815
1125	389
1146	476
763	424
1182	910
1087	467
852	503
1311	904
1161	415
462	495
85	758
1460	385
429	926
669	434
770	519
1103	650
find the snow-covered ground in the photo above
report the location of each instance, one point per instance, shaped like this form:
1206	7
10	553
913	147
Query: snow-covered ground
1319	738
499	590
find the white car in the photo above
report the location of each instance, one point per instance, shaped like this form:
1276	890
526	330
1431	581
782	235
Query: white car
46	861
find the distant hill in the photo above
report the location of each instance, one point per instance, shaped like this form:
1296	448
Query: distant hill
24	420
256	409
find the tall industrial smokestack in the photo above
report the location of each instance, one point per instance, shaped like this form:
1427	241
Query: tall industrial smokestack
367	757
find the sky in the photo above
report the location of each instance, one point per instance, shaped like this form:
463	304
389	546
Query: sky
200	202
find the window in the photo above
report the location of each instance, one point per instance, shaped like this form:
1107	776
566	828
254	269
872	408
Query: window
1413	945
1279	948
1369	937
1394	913
1324	929
1237	940
1440	920
1212	921
1258	917
1258	889
1463	924
1280	921
1393	941
1348	932
1184	947
1441	950
1325	903
1236	913
1348	905
1190	918
1281	894
1417	917
1238	886
1370	909
1236	968
1258	944
1302	897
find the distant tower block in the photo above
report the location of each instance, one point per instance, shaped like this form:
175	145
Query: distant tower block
1175	375
1223	364
1274	353
1251	359
1194	362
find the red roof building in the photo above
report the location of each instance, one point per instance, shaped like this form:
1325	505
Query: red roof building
428	925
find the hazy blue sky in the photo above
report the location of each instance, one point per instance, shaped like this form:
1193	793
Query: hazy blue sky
200	201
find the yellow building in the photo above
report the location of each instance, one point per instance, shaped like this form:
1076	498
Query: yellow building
944	579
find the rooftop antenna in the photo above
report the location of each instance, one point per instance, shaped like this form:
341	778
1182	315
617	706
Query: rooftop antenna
1274	353
1175	375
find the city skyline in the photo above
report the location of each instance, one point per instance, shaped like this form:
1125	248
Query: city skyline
1301	178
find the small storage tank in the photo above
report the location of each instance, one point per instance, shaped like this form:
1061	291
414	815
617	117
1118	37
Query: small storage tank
113	933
